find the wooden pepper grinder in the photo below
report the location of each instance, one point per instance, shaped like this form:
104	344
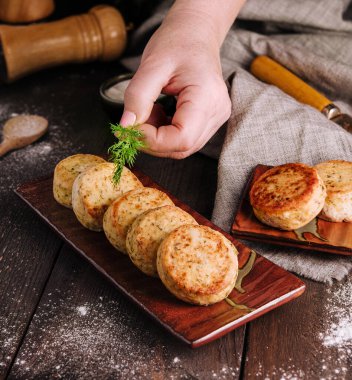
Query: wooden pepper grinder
23	11
99	34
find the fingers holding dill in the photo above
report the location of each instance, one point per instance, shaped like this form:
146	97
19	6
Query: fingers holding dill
125	150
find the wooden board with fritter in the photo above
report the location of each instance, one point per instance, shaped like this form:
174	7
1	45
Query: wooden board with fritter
262	285
318	235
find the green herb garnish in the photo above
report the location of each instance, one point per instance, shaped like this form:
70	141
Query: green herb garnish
126	149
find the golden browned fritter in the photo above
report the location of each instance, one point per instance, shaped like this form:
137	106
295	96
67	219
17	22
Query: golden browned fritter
94	190
337	176
149	230
288	196
197	264
124	210
66	172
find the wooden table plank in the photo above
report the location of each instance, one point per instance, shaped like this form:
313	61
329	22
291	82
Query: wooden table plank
27	255
306	339
28	248
84	328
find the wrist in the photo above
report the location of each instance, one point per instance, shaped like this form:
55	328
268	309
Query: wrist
190	26
210	18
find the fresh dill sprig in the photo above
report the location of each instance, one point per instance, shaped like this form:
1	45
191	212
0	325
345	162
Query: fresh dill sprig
125	150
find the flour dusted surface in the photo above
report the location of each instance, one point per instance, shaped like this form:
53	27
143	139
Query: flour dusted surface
339	314
101	339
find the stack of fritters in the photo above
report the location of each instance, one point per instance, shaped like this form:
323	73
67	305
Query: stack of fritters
196	263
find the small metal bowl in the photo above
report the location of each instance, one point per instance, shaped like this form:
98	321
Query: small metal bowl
114	108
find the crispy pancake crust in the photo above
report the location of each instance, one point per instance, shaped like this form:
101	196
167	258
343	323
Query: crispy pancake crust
288	196
66	172
197	264
149	230
93	191
124	210
337	176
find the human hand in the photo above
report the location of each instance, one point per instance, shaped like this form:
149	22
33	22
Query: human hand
181	59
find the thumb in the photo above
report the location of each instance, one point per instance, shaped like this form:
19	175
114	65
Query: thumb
140	95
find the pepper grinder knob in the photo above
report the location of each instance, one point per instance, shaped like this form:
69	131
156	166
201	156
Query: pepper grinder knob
99	34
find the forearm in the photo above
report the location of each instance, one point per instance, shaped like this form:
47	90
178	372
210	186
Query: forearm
213	17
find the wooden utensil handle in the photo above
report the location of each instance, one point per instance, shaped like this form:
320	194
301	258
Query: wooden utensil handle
272	72
5	146
99	34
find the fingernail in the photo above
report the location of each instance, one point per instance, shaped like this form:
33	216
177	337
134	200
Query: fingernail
128	118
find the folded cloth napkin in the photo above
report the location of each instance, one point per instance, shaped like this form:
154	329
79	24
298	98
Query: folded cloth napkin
313	38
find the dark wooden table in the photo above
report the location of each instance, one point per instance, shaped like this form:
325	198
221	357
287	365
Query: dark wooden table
59	318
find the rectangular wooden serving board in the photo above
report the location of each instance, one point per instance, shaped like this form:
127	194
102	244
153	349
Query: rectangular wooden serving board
266	287
318	235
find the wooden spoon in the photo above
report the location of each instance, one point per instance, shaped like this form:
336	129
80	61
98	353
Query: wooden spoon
22	130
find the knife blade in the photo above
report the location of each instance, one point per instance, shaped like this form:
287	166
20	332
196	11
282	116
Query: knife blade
270	71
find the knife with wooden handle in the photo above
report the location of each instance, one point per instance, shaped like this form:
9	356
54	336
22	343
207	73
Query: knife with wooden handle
269	71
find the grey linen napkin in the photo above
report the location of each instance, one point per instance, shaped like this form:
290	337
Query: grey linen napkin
266	126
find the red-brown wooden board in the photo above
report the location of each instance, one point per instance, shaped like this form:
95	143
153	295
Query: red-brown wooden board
267	286
337	236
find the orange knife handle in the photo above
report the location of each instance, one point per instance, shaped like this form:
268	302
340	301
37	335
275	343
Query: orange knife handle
272	72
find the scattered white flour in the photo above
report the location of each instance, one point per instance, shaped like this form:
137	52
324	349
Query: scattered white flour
113	340
335	338
35	160
339	312
82	310
4	111
16	167
339	334
289	371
